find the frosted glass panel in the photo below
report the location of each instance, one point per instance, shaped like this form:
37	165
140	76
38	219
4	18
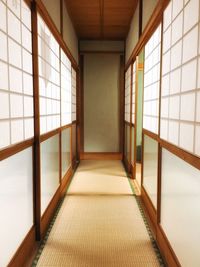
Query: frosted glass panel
180	87
49	170
133	144
16	202
15	64
150	168
66	150
151	82
74	141
127	143
180	213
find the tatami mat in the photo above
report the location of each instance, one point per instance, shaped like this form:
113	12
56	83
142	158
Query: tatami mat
99	223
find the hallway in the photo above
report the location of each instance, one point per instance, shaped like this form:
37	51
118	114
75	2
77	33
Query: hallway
99	222
93	92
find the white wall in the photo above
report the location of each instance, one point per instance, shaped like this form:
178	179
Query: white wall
132	37
101	102
148	8
69	34
53	8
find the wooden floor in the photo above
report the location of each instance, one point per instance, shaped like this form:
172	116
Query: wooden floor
99	223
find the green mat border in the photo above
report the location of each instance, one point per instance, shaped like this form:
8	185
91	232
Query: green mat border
152	239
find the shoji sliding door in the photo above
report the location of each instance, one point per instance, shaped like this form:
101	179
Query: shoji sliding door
16	127
180	127
57	90
74	115
127	115
133	115
151	115
50	98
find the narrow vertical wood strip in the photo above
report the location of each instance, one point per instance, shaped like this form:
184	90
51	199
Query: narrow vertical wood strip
121	100
159	146
80	109
130	144
135	128
37	174
140	17
61	17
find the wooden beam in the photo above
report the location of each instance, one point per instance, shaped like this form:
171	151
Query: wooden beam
121	101
140	16
14	149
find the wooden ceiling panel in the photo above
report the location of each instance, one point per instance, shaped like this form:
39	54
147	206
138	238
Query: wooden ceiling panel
101	19
120	4
89	32
115	32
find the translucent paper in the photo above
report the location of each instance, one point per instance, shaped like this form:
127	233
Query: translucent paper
16	81
180	106
151	82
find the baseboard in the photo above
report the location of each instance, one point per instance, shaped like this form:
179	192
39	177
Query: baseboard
149	209
26	252
101	156
166	249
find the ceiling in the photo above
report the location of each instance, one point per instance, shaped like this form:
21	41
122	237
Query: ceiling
101	19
